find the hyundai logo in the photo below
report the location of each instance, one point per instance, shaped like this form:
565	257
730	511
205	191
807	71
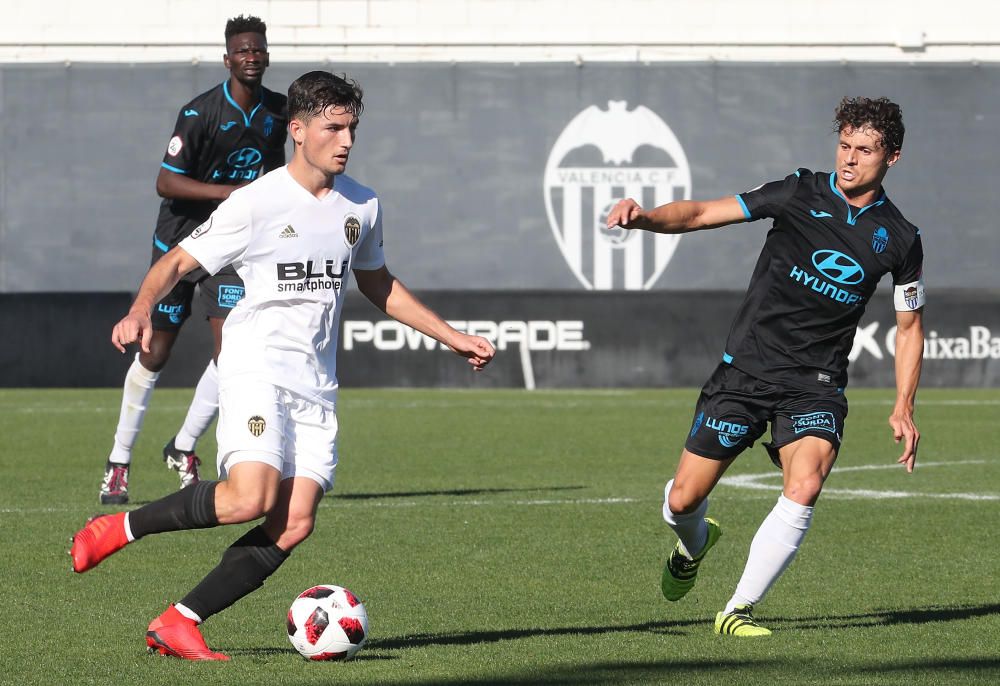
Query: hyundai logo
243	158
838	267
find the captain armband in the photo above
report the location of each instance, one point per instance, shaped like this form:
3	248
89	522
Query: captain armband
909	296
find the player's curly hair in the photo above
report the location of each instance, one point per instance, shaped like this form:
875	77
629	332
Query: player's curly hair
247	24
881	114
314	91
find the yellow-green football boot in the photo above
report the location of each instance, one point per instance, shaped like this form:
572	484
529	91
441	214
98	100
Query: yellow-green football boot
681	571
739	622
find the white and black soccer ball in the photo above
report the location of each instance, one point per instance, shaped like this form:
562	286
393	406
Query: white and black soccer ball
616	235
327	622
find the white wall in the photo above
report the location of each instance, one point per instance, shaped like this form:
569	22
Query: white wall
507	30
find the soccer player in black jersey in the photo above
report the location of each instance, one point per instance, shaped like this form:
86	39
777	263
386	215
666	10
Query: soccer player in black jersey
834	236
224	138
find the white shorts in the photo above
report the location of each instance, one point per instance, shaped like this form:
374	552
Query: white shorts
260	422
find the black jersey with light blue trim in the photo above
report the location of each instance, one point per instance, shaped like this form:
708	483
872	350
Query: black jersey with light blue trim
820	265
215	141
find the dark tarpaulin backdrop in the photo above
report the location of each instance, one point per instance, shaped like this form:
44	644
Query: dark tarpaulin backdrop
458	155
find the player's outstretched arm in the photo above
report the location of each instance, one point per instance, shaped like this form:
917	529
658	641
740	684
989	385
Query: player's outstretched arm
177	186
909	357
159	280
680	216
389	294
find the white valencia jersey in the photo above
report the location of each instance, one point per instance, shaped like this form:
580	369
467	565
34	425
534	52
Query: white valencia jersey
295	253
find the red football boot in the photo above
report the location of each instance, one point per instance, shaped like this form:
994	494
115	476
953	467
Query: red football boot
174	634
102	536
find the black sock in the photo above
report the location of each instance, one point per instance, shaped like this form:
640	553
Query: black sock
244	567
189	508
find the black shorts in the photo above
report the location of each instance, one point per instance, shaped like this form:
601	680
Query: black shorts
734	408
219	295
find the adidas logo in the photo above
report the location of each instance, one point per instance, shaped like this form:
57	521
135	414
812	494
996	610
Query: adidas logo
288	232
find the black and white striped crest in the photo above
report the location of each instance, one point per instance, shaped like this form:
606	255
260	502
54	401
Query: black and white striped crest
601	157
352	229
256	425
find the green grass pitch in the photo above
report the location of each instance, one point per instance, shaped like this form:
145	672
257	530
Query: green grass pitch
515	537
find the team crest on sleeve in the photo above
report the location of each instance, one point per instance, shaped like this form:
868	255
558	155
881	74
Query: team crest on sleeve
880	239
175	146
352	229
256	425
909	296
601	157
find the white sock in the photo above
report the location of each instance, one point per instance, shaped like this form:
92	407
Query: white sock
128	529
690	528
188	612
772	550
139	384
204	407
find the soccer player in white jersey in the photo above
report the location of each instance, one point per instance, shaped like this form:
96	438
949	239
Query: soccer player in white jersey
294	236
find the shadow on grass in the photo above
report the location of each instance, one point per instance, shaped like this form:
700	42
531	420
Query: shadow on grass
676	628
271	651
923	615
668	671
488	636
451	492
256	652
133	504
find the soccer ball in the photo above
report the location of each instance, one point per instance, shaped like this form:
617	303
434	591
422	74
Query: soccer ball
327	622
616	235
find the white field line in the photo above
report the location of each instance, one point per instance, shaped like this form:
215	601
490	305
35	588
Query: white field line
925	403
344	503
753	482
743	481
333	502
79	409
542	399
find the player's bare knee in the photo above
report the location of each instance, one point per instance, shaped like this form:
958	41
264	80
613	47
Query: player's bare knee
155	360
683	501
244	512
805	490
250	506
